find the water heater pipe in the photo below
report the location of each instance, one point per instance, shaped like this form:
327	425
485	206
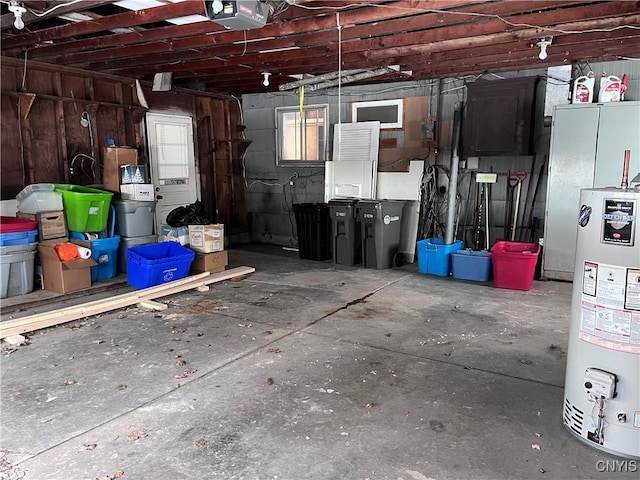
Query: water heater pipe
625	170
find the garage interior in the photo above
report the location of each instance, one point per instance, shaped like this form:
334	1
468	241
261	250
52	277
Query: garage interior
310	368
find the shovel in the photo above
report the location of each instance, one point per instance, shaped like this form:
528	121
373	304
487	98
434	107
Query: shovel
520	176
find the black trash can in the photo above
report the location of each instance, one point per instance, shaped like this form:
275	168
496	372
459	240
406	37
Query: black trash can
345	232
314	230
380	225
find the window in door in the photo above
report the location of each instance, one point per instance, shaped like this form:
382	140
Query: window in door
301	136
173	161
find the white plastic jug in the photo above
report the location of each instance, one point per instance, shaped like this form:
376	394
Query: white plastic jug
610	88
583	89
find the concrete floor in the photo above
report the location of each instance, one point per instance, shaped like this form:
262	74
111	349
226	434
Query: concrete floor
301	370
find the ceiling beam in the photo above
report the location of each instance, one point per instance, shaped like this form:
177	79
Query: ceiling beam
249	53
376	54
140	45
476	62
566	45
127	19
274	28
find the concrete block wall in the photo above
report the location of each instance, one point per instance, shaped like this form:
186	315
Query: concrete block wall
270	195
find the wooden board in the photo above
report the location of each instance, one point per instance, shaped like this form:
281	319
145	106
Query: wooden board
63	315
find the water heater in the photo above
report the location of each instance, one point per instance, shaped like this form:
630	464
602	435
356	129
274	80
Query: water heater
602	385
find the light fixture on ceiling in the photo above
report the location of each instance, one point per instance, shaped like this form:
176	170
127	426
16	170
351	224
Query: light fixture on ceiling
543	44
266	76
216	6
17	10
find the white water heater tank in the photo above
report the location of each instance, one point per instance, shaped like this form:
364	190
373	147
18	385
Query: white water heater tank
602	385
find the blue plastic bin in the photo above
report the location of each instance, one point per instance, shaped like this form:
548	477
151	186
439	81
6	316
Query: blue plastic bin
105	252
434	257
470	265
18	238
157	263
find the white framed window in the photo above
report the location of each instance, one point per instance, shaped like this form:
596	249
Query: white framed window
301	137
388	112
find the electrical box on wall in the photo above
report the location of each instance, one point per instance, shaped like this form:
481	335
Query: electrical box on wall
237	14
499	117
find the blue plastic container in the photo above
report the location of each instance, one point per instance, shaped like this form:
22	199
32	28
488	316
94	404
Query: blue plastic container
104	251
434	257
157	263
470	265
18	238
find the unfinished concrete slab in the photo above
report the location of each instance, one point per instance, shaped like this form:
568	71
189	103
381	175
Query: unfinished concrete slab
301	370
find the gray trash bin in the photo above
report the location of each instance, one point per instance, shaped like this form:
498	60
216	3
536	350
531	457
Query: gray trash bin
380	223
345	232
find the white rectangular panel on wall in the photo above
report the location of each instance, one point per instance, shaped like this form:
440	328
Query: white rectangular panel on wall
353	179
400	185
356	141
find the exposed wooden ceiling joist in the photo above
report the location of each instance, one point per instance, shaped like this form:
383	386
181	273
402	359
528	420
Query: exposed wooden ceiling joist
433	38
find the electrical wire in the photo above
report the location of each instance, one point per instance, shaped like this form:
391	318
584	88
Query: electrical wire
265	183
24	168
46	12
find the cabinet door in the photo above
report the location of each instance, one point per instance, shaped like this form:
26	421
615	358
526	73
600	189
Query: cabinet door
499	117
571	168
619	131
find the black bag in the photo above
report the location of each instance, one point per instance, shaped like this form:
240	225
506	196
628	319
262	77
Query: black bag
194	214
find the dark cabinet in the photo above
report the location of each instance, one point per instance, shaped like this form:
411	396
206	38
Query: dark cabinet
499	117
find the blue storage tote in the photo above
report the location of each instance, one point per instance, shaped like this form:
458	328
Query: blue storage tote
434	257
470	265
104	252
157	263
19	238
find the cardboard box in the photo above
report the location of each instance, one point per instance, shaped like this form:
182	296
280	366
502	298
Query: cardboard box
133	174
206	238
142	192
174	234
50	224
210	262
113	159
63	277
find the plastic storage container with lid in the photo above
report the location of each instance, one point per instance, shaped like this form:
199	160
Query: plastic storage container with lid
15	225
39	197
17	273
134	218
87	209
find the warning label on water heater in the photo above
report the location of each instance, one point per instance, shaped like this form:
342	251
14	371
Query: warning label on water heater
610	313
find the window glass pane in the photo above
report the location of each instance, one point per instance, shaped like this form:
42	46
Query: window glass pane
173	161
301	138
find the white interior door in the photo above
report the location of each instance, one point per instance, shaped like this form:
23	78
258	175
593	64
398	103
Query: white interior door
173	170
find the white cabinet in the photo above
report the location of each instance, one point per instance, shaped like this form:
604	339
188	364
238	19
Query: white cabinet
587	150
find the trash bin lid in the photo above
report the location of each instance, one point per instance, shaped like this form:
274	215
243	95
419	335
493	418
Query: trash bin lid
343	202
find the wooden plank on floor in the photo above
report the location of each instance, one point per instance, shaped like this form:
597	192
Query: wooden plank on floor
15	340
152	305
63	315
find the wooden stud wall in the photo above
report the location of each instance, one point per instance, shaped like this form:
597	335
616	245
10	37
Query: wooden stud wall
40	147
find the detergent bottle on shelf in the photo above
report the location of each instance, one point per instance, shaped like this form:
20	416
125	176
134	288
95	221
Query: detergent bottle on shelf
583	89
610	88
